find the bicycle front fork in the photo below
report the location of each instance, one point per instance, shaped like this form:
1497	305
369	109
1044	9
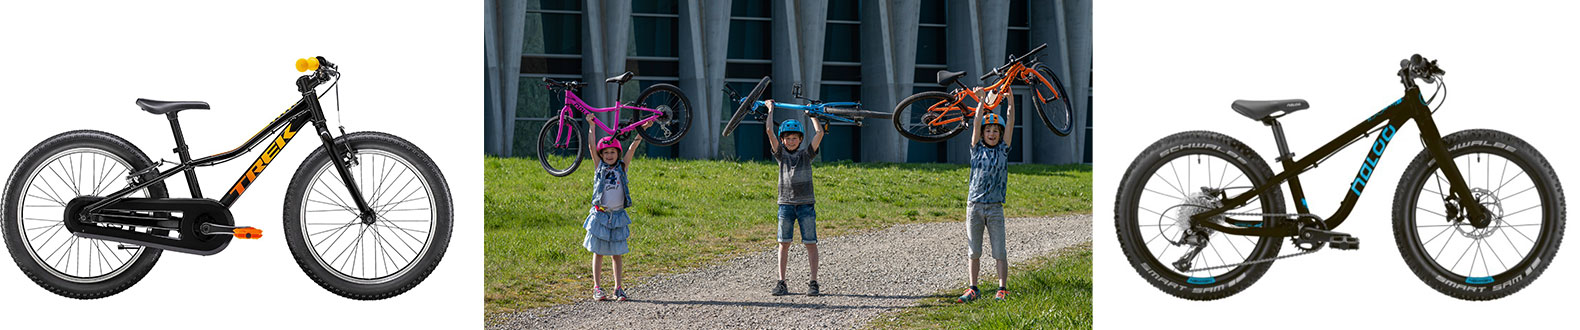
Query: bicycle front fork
343	160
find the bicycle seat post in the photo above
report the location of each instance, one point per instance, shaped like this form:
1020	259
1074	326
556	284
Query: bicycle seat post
1278	136
186	155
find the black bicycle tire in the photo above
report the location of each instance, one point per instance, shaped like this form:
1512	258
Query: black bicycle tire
1515	278
581	148
899	115
684	111
746	105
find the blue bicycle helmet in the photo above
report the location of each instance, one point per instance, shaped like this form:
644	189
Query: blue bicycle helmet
790	125
993	119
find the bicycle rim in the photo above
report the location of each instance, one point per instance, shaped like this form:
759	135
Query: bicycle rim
63	176
370	253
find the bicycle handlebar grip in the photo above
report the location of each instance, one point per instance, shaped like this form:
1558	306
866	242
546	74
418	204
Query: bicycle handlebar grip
307	64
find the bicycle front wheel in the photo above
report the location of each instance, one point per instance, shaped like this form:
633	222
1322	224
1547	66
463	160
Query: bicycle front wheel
1511	181
931	117
747	105
674	117
560	146
1051	101
360	260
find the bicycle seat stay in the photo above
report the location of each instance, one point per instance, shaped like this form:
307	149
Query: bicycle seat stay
164	107
1259	110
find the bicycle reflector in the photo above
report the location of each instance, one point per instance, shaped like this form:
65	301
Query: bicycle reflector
306	64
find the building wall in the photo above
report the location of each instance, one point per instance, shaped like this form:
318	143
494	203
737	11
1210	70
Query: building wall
872	51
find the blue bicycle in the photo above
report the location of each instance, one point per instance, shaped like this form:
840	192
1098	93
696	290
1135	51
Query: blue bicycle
847	112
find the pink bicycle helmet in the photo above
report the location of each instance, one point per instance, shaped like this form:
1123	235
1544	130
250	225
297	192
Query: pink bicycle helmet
608	142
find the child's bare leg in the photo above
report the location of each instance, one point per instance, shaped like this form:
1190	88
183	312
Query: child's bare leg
597	268
784	253
976	266
618	273
811	255
1003	273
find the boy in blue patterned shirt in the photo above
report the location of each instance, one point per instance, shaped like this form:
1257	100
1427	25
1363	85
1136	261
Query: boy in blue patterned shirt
985	198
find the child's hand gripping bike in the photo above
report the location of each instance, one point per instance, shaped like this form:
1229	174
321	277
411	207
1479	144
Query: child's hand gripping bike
846	112
1477	215
938	116
367	214
560	148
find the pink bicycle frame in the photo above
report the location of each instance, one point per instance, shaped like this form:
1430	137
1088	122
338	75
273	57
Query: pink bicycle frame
572	100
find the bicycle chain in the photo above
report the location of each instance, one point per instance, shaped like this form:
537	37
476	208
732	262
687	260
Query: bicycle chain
1264	260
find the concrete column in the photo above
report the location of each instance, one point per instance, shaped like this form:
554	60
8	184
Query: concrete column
888	66
607	24
976	38
705	29
502	28
798	30
1067	28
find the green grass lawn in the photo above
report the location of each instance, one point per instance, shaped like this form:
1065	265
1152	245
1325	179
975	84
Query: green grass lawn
1050	292
691	212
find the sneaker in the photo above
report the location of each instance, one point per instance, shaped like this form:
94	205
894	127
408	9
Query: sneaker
780	289
811	289
1002	294
598	294
971	294
619	294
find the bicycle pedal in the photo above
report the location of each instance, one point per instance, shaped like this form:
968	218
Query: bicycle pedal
1337	240
248	233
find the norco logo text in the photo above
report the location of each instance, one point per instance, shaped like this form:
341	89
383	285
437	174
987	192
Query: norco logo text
1365	173
263	160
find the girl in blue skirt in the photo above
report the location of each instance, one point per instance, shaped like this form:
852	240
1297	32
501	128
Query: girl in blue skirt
607	224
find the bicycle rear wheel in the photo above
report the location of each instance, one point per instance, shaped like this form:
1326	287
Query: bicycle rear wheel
747	105
931	117
1051	101
674	118
560	146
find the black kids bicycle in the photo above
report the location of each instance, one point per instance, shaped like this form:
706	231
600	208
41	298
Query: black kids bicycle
1477	215
367	214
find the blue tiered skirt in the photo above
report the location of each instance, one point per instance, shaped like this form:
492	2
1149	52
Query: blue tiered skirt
607	232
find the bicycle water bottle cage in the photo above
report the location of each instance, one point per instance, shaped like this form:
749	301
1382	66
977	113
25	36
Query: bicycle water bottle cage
1259	110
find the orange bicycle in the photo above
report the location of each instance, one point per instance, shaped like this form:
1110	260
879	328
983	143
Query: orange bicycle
938	116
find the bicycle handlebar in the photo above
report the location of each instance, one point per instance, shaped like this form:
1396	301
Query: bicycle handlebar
1006	66
1418	67
551	84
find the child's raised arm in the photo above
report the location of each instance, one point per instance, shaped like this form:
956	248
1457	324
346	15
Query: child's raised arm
592	136
1009	123
976	123
630	153
817	141
768	127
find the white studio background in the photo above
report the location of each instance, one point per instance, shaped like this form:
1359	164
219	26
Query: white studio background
410	69
1174	66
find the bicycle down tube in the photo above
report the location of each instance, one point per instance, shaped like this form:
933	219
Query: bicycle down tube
1394	116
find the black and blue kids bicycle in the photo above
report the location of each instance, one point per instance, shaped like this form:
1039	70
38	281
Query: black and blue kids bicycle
367	214
844	112
1477	215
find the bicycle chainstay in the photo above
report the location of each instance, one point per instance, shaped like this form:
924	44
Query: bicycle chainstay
1263	260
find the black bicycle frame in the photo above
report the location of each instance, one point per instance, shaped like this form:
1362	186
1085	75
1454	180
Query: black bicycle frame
305	111
1386	122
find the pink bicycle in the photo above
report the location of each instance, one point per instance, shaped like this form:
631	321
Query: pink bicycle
560	145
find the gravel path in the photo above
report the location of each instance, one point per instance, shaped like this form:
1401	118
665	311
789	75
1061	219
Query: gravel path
862	276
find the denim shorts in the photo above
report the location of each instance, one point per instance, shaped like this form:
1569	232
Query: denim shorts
789	215
989	217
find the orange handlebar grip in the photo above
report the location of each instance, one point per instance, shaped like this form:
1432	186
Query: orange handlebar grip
306	64
248	233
